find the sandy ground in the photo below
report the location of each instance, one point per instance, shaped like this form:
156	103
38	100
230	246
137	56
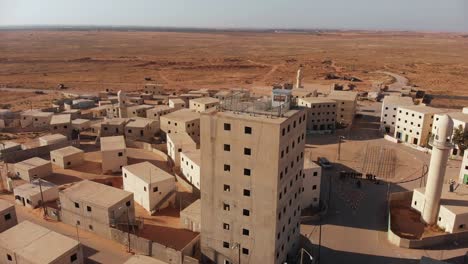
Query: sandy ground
93	60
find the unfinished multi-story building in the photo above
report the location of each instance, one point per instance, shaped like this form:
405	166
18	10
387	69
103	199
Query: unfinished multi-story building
346	103
252	169
96	207
182	121
321	113
414	124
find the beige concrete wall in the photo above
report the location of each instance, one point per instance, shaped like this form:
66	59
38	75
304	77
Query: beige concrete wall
320	116
273	175
413	127
175	148
39	171
67	161
108	130
190	170
33	200
113	160
192	128
345	110
200	107
8	218
41	121
156	114
64	129
311	187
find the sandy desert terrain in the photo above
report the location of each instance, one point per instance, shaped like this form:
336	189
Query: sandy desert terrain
95	60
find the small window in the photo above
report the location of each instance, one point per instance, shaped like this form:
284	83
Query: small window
9	257
462	226
225	226
315	173
90	227
225	244
245	251
7	217
247	151
128	203
120	154
227	167
88	208
246	192
73	257
247	130
77	205
227	188
227	147
226	207
155	189
247	172
246	212
314	187
245	232
227	126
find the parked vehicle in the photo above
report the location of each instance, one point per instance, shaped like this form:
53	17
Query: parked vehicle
324	163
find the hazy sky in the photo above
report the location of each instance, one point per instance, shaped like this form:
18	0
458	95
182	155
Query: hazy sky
434	15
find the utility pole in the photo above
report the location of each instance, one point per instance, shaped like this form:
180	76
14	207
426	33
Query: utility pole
128	232
42	197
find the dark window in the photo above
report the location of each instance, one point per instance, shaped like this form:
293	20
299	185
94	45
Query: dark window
225	226
247	172
247	130
245	232
227	147
315	173
246	192
225	244
246	212
77	205
128	203
9	257
227	126
155	189
88	208
227	188
7	217
245	251
120	154
314	187
91	227
73	257
227	167
247	151
226	207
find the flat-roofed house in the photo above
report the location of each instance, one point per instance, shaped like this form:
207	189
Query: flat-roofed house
141	129
158	111
81	124
154	88
182	121
189	96
33	168
138	110
177	103
41	119
29	194
311	179
67	157
61	124
30	243
152	187
346	103
113	153
202	104
222	95
321	113
99	111
301	93
190	166
53	139
112	127
414	123
27	117
190	217
390	105
8	217
177	143
96	207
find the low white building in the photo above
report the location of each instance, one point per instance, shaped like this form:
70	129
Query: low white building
190	166
453	212
67	157
312	175
33	168
52	139
390	105
177	143
29	194
113	154
177	103
152	187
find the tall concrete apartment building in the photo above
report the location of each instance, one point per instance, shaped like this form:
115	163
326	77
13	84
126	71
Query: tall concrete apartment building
252	167
390	105
321	113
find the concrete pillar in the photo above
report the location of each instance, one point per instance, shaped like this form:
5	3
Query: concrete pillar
441	146
299	78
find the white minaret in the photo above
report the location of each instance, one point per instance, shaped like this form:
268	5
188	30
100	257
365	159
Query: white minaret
299	78
441	146
122	104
